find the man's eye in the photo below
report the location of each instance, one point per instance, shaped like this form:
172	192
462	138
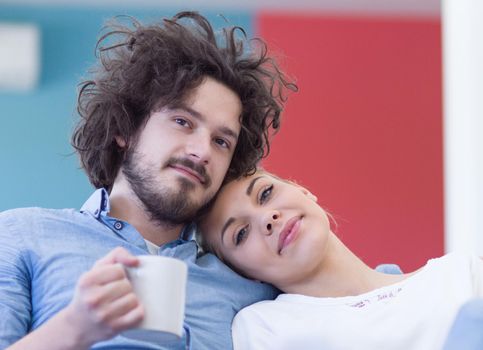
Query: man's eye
222	143
266	193
241	235
181	121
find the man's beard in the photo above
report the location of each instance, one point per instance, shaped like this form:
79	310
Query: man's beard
167	204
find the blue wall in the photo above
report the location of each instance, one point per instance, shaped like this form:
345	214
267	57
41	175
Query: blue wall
37	164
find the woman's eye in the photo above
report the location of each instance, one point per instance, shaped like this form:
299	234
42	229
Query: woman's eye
222	143
241	235
265	195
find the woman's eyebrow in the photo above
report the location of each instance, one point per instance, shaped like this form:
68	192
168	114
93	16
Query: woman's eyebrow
252	183
225	226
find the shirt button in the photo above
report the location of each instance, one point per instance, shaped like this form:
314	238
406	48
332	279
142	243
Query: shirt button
118	225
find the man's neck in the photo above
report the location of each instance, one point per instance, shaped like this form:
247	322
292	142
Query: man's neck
127	207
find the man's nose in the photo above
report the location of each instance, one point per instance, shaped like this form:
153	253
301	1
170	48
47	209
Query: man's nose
199	148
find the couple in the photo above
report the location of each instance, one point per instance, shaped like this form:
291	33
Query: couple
168	118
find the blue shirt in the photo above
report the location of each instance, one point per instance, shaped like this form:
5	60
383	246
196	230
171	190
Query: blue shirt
43	252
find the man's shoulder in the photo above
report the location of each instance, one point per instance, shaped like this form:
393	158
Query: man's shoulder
37	211
226	281
36	215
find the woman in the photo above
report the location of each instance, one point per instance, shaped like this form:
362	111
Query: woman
274	231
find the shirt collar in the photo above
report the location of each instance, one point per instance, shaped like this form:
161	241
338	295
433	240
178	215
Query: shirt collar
188	232
97	203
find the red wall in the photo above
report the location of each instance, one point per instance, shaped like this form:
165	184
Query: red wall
364	133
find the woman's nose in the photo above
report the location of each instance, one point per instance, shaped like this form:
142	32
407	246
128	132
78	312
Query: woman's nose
272	219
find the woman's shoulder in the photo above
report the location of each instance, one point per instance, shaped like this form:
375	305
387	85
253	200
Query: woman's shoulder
451	265
456	258
257	308
259	312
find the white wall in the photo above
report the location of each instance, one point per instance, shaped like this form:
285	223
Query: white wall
463	124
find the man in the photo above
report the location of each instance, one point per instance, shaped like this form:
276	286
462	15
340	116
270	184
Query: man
170	111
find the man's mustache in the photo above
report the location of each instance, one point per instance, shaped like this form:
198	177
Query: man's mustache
197	168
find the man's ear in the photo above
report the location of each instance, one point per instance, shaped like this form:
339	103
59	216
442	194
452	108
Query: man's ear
121	142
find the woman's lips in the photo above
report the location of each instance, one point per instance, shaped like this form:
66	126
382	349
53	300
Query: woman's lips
289	233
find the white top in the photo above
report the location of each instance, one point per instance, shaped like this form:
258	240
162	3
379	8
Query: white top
415	313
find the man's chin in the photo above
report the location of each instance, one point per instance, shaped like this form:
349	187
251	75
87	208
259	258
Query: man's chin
198	197
174	216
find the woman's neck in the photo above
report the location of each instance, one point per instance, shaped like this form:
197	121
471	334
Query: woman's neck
340	273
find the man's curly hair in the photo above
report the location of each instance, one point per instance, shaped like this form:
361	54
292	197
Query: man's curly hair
143	68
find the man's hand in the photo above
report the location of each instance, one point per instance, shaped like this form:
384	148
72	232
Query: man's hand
104	303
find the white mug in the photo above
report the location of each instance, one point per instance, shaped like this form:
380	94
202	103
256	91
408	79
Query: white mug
160	284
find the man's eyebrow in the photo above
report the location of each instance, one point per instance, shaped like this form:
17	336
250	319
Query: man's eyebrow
229	132
225	226
252	183
190	110
224	129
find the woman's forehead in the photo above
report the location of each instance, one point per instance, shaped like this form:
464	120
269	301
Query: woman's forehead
243	185
231	196
235	191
